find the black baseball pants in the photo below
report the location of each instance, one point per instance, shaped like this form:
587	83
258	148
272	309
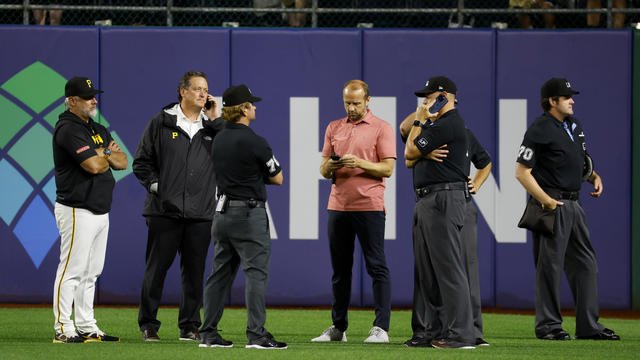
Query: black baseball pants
168	236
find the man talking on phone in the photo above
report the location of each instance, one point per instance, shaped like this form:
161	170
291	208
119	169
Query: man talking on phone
174	164
442	192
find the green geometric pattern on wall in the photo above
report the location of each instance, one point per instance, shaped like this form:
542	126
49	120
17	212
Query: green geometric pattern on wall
29	159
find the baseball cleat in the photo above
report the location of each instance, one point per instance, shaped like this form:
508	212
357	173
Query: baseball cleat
98	336
64	339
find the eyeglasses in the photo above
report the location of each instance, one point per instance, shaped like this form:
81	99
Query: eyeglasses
200	89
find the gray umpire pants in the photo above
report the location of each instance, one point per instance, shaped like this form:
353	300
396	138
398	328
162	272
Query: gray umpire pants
420	314
440	265
241	238
568	250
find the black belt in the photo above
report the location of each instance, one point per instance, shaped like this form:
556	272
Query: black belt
423	191
562	195
246	203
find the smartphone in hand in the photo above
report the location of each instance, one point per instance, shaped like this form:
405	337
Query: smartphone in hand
208	104
441	101
335	157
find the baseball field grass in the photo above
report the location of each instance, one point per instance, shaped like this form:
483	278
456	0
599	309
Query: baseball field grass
26	333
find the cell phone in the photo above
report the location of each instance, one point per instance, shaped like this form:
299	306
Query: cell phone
441	101
335	157
208	104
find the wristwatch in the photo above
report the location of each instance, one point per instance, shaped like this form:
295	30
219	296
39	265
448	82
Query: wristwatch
417	123
107	153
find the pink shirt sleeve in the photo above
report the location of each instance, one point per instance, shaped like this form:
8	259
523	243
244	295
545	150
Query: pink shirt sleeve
327	148
386	142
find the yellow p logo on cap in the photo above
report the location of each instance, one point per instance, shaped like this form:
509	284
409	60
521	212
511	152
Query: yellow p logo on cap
89	82
174	135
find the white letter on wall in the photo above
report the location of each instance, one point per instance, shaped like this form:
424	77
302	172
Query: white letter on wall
503	206
305	162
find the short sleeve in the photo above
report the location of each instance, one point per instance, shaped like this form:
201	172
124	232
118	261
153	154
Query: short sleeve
327	148
76	141
477	154
266	160
386	144
533	138
433	136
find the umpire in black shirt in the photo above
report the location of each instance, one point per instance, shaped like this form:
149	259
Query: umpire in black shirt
243	163
550	166
441	188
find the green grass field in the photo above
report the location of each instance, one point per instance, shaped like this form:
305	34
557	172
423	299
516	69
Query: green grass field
26	333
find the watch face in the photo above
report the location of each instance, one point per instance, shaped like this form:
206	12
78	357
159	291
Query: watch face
107	151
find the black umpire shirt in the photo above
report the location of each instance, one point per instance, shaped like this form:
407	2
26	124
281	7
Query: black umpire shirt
242	161
476	154
448	129
557	160
74	141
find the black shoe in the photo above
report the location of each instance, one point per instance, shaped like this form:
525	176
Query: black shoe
418	341
451	344
64	339
555	334
481	342
215	341
150	335
98	336
605	334
189	335
266	343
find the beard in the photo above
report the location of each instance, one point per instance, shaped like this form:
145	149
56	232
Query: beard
92	113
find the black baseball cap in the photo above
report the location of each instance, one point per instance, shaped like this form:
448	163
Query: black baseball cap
557	87
437	83
80	86
237	95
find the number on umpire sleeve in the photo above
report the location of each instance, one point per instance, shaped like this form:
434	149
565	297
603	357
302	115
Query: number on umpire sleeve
525	153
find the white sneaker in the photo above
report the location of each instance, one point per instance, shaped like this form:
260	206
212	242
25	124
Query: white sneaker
331	334
377	335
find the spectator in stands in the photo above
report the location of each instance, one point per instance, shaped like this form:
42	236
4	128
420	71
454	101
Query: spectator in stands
525	19
40	15
297	19
593	20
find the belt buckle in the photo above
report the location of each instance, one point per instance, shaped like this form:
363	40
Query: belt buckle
252	203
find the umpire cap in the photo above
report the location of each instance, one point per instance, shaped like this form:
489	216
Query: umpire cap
237	95
437	83
557	87
80	86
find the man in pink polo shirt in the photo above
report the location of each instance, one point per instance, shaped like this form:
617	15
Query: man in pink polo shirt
359	152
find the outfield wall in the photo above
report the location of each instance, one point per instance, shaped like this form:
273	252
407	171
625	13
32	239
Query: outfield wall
299	74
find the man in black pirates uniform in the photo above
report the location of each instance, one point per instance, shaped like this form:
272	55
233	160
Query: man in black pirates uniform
244	163
174	164
84	154
442	191
550	166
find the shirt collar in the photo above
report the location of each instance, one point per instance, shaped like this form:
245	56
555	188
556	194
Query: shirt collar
366	118
177	111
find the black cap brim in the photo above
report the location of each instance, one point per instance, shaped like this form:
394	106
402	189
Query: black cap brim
254	99
423	92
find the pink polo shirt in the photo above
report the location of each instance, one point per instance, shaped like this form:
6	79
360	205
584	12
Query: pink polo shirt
371	139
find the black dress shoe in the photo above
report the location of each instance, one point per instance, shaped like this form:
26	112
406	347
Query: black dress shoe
481	342
189	335
150	335
555	334
266	342
215	341
605	334
418	341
